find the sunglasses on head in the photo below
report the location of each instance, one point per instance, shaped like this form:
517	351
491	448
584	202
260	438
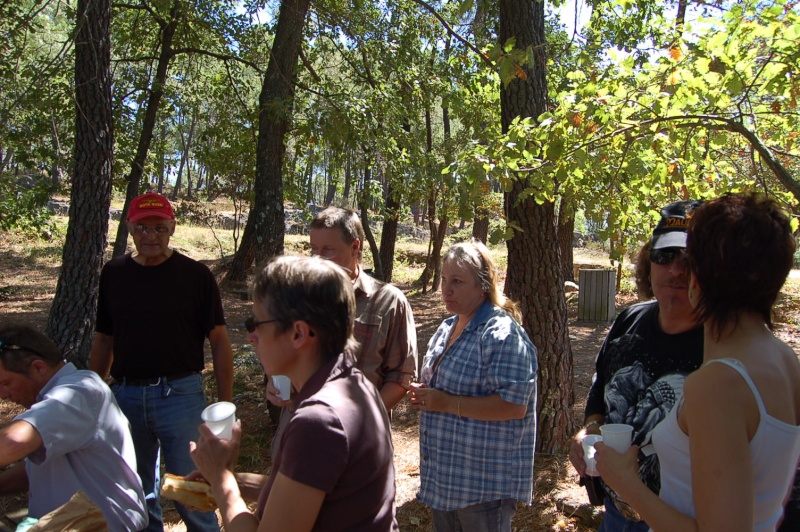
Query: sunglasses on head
8	346
665	256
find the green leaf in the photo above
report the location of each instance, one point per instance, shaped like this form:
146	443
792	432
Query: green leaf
719	140
734	85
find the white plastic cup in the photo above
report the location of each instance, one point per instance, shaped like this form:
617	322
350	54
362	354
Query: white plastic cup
617	436
220	417
588	442
284	386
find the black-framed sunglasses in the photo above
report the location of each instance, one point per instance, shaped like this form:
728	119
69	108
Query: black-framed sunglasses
250	323
665	256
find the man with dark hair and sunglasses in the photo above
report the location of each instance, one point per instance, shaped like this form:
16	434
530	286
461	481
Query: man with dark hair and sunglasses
156	308
73	436
646	356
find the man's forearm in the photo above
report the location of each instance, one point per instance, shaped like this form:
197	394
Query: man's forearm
102	354
391	393
222	355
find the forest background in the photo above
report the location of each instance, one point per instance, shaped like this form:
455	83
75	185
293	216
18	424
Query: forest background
476	114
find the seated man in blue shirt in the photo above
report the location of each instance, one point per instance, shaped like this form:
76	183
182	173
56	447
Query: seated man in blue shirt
73	436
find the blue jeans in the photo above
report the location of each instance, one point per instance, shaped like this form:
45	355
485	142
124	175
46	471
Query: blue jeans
164	419
614	521
489	516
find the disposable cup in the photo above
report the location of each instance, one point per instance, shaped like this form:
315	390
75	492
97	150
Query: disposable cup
284	386
220	417
617	436
588	442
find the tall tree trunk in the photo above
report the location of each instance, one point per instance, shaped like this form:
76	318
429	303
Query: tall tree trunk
480	225
566	234
186	144
534	269
444	217
391	218
437	226
161	158
263	233
151	111
348	176
308	176
377	263
57	171
330	179
72	316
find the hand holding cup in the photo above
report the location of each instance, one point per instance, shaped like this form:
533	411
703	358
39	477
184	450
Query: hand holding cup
284	386
617	436
588	442
219	418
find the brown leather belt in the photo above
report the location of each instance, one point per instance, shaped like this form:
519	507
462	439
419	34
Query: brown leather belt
153	381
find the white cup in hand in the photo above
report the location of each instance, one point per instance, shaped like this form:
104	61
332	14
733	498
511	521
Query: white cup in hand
284	386
588	442
220	417
617	436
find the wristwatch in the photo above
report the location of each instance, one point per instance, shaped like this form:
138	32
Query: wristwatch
593	422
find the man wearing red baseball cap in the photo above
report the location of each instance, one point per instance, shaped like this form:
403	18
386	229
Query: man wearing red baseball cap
155	309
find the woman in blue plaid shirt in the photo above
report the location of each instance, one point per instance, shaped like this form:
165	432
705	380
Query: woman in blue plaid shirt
477	400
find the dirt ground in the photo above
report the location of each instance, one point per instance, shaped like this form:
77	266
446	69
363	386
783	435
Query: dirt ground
559	503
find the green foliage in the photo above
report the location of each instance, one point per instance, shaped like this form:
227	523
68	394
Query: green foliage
36	103
25	209
712	109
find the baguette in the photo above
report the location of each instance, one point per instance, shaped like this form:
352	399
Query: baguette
188	492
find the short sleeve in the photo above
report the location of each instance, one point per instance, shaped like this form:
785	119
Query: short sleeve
66	419
511	360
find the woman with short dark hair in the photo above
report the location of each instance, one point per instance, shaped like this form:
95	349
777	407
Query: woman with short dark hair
729	450
333	470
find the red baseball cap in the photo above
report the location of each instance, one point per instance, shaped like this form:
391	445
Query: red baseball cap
150	204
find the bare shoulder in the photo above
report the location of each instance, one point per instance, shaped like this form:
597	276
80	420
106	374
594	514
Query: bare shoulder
716	387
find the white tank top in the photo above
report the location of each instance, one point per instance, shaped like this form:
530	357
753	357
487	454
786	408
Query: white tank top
774	453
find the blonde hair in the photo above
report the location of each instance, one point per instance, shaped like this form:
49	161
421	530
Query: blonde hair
476	257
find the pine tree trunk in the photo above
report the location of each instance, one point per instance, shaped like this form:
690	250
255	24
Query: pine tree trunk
347	177
72	315
480	225
566	233
389	234
263	234
534	270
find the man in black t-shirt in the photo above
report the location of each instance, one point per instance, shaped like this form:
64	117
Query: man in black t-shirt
645	358
156	308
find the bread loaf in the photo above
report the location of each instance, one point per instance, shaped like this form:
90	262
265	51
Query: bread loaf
188	492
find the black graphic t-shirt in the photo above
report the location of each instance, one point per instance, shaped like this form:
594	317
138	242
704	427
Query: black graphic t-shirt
640	371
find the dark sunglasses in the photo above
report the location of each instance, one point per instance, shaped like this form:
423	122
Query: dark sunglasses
665	256
250	323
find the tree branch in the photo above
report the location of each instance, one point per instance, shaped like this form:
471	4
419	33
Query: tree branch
454	33
222	57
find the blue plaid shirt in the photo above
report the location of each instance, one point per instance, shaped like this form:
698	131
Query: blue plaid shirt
465	461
